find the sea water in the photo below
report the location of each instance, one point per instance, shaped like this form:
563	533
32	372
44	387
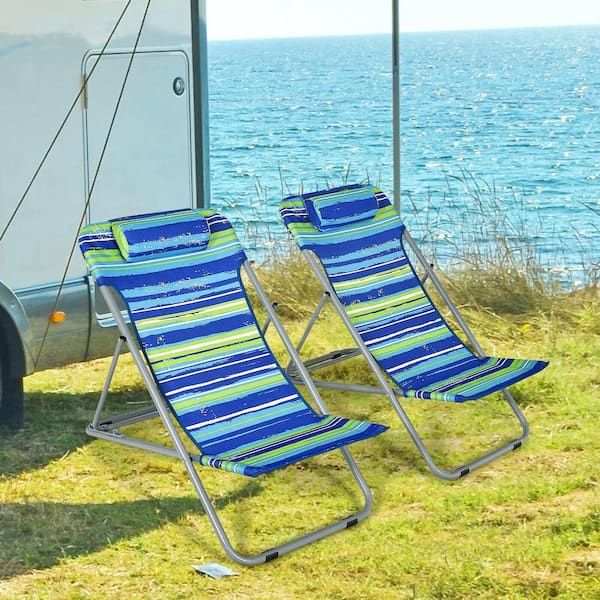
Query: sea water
508	120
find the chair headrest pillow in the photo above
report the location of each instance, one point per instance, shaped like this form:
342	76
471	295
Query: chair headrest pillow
162	235
340	207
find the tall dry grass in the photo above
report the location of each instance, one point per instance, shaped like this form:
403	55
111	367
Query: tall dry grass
491	257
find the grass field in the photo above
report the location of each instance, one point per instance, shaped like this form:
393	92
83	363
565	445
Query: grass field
87	519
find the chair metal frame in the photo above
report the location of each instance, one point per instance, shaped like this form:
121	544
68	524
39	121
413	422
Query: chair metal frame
384	387
109	429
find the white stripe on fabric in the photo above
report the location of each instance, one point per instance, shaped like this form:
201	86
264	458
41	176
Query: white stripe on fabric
239	375
396	322
425	358
195	300
214	367
474	376
341	274
242	412
402	335
368	307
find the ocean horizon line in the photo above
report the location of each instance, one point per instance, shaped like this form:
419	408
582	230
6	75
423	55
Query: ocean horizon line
411	33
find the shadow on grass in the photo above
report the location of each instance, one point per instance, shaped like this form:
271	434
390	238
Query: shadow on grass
54	426
453	433
37	535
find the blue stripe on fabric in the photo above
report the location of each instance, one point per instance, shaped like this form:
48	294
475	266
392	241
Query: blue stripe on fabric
372	263
250	427
241	432
335	209
244	389
228	324
207	370
157	305
188	382
180	281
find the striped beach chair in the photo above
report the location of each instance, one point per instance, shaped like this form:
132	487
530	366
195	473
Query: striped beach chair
355	243
195	340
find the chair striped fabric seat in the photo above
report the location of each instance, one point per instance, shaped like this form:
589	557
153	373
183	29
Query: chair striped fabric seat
368	268
201	340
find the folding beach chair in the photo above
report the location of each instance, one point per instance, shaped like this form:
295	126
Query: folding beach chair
354	241
195	340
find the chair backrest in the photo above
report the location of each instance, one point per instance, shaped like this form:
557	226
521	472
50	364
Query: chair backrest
365	261
179	275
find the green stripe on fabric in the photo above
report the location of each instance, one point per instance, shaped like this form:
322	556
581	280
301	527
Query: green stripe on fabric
369	310
427	365
303	445
166	365
209	346
229	391
374	280
186	317
256	445
395	346
482	381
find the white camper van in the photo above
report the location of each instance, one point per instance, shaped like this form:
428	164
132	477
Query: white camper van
135	142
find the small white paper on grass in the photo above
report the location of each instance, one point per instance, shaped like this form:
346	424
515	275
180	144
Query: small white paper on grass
214	570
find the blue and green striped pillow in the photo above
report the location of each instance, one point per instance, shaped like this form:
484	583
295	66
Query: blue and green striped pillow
168	234
342	207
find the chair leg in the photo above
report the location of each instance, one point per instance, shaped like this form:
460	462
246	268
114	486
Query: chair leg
465	469
210	510
303	540
109	376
